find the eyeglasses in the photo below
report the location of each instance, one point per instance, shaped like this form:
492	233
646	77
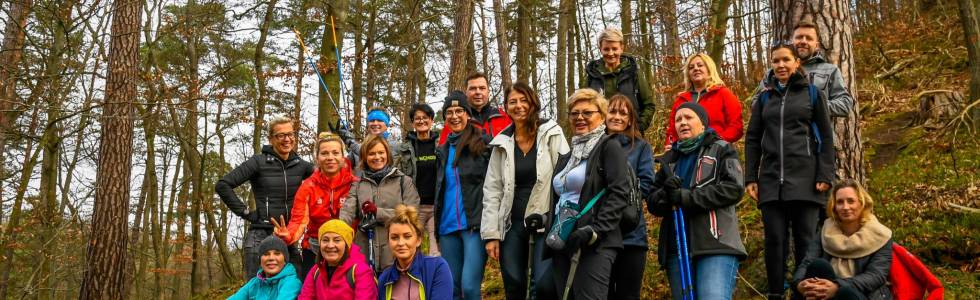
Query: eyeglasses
417	119
455	112
284	136
584	114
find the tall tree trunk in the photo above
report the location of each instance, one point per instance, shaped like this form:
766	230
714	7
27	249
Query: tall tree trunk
970	18
833	18
11	52
626	20
503	47
719	27
672	57
564	23
326	112
107	255
261	80
524	35
462	38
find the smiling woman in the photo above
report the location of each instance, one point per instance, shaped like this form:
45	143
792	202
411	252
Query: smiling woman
343	273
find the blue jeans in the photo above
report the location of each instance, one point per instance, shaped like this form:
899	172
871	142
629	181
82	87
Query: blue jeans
466	255
713	278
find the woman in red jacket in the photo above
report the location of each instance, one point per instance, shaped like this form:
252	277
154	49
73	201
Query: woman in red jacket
318	199
703	85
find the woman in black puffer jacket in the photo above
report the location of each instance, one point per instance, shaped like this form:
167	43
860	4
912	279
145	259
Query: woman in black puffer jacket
789	153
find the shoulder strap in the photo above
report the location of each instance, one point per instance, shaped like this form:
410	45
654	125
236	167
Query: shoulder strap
764	98
588	206
401	186
350	276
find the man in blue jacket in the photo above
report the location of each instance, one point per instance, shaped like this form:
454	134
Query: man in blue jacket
274	175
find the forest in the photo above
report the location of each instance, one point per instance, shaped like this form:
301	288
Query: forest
118	117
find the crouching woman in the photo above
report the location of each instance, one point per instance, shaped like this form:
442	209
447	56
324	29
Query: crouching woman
853	255
697	187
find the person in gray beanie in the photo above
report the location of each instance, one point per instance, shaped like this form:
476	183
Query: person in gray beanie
276	279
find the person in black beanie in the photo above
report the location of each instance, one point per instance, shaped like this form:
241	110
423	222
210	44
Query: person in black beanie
417	159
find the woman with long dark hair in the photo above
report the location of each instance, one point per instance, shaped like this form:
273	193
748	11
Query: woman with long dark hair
516	195
789	155
459	197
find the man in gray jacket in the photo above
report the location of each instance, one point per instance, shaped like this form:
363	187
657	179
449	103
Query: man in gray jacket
822	74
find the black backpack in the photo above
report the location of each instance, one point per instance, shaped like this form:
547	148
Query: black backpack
633	213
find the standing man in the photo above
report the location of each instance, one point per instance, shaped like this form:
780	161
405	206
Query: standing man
274	175
490	119
417	159
822	74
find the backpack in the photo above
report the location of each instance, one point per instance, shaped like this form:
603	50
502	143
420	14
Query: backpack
814	96
633	213
350	276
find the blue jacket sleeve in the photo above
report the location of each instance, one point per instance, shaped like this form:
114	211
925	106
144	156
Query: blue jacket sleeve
289	288
644	170
242	293
442	283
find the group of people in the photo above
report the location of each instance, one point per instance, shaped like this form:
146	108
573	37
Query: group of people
418	219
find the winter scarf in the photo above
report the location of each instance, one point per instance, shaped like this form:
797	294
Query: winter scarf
378	175
845	249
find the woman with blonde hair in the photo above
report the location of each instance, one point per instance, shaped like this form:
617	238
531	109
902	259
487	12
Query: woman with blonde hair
413	276
852	257
618	73
703	85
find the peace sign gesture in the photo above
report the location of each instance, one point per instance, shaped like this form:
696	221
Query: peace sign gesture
281	228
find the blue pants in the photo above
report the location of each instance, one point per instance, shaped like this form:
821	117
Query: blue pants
466	255
713	276
513	265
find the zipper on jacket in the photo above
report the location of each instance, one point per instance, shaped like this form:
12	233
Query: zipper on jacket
268	213
808	141
409	274
285	190
782	125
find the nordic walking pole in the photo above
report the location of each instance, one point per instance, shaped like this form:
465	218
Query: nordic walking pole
313	66
340	69
689	292
680	254
531	225
571	274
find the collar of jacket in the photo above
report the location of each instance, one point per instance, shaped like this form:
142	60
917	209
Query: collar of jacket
816	58
414	136
394	171
597	68
269	152
415	269
686	95
796	80
287	270
545	129
709	139
344	177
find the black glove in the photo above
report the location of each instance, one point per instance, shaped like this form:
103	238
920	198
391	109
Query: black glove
534	223
672	183
582	237
676	196
252	217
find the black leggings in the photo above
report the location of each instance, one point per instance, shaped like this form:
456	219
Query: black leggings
778	218
627	273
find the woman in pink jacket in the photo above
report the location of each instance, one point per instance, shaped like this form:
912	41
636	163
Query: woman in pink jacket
343	273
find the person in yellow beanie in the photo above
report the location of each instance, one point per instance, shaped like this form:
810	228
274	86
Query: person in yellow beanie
343	272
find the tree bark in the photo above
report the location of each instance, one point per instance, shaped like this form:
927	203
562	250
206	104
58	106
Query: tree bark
561	89
970	18
107	255
833	18
462	37
503	47
719	27
524	8
626	19
11	53
258	58
326	112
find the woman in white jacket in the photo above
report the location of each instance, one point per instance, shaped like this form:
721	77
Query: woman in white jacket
517	195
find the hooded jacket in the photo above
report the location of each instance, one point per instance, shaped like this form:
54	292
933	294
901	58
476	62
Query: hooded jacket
282	286
490	120
780	148
499	187
274	183
318	285
317	201
430	273
395	188
627	79
709	202
828	79
724	113
471	171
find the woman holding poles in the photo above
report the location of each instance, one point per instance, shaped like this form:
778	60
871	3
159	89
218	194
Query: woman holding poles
590	188
516	196
698	184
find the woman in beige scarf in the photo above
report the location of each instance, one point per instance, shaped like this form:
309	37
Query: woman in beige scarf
852	257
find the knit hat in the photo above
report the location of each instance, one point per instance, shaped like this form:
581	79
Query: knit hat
339	227
425	108
379	115
456	98
698	110
273	243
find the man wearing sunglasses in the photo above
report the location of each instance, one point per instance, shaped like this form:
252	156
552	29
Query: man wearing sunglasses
274	175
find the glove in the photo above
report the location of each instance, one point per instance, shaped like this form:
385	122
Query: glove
672	183
252	217
368	208
676	196
582	237
533	223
